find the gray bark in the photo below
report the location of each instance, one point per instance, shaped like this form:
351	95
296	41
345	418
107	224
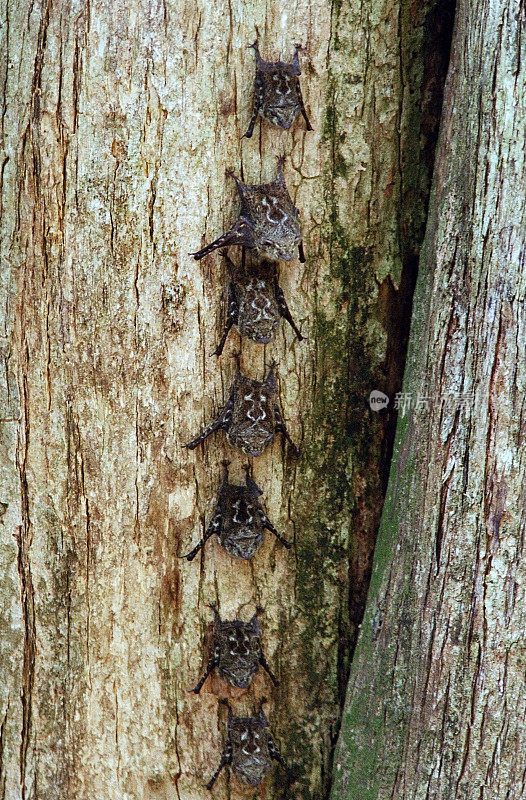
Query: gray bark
436	703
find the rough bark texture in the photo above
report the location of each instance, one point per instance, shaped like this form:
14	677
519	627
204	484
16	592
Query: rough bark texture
436	703
119	121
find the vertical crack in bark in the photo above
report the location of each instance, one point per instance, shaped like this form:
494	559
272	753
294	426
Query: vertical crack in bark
426	30
444	491
36	90
3	776
421	116
88	554
425	41
6	74
24	534
24	538
78	502
117	748
441	741
176	745
425	34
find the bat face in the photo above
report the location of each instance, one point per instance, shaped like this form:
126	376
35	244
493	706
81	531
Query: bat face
255	302
268	222
242	522
274	219
281	95
239	520
277	95
259	312
240	650
252	423
250	419
250	750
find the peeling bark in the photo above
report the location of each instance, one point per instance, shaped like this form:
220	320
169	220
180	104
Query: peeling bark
118	123
436	704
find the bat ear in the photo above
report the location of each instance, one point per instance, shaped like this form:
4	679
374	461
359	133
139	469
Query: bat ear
227	704
256	52
296	61
224	482
254	623
261	714
217	618
241	187
270	380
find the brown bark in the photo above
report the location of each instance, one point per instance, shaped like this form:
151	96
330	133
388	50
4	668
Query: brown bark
436	705
119	121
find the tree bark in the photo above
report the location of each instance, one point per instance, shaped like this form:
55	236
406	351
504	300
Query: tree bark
436	704
119	121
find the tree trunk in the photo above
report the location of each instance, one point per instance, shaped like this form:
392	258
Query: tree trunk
436	702
119	121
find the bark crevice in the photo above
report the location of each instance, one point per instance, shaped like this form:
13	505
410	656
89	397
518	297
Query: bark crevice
431	685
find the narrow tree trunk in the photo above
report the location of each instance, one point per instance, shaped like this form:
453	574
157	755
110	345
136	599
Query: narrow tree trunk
119	121
436	704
